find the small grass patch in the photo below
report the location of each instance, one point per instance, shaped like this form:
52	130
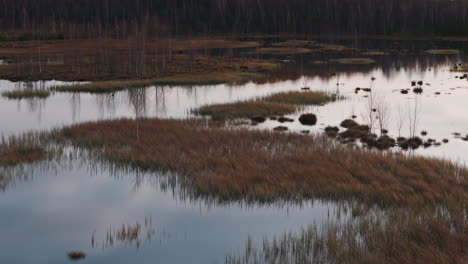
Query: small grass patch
354	61
293	43
26	93
333	47
442	51
273	105
373	53
181	80
247	109
301	98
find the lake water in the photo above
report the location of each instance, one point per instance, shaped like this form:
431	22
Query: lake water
72	205
53	208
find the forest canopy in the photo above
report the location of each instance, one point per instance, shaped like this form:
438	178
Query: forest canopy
121	18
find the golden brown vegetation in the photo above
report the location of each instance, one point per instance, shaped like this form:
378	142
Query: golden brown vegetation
242	164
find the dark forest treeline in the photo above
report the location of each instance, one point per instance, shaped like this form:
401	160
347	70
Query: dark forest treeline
120	18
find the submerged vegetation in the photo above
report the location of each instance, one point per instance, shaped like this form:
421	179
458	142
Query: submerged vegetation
266	166
274	105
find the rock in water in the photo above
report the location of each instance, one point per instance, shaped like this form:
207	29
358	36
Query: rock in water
308	119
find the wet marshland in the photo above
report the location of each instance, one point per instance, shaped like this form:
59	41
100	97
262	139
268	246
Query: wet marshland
120	216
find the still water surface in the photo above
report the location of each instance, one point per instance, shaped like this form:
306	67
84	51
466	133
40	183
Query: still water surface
73	207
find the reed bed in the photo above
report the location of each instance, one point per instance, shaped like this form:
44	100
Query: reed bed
274	105
26	93
265	166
